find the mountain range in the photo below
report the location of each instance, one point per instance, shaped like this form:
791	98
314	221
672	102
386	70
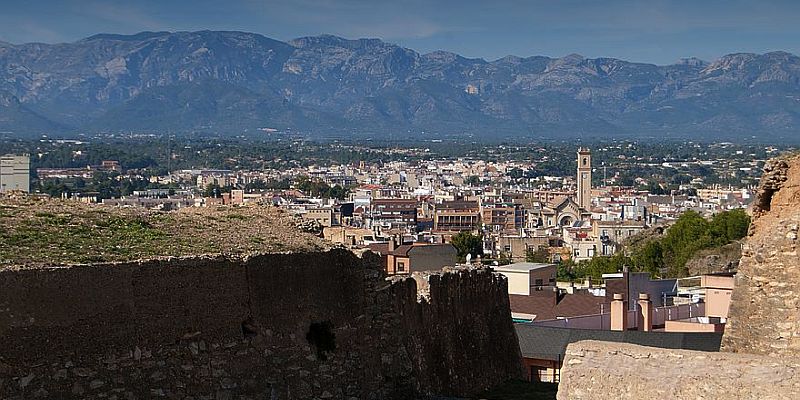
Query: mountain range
234	82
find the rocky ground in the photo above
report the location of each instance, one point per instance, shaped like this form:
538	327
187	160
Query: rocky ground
718	259
38	232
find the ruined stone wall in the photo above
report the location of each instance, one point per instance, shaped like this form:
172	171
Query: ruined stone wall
602	370
282	326
765	305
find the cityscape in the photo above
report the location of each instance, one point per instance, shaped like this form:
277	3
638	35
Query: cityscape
399	200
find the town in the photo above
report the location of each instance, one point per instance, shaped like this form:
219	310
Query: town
588	210
407	203
545	233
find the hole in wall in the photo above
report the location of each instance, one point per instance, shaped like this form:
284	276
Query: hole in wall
321	336
249	329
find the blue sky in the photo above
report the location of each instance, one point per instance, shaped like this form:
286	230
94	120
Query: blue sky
654	31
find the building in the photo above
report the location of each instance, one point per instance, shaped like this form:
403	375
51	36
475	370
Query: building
415	257
525	278
584	178
15	173
632	284
543	347
393	213
502	217
456	216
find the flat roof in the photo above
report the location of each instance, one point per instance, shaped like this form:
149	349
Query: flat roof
521	267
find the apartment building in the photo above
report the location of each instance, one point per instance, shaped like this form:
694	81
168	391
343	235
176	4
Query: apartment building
15	172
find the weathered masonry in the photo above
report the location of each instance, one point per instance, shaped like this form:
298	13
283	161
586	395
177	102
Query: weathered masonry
278	326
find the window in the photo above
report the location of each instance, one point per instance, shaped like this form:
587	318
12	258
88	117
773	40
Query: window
577	252
401	266
539	282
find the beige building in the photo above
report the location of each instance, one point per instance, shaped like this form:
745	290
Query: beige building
524	278
15	173
456	216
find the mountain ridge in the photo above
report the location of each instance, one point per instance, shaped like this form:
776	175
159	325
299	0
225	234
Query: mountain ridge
371	86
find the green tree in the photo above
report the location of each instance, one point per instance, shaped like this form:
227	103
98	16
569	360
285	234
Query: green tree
540	255
212	190
690	233
467	243
565	271
515	173
729	226
649	258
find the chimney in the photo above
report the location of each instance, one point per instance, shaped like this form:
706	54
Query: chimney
645	315
619	313
392	245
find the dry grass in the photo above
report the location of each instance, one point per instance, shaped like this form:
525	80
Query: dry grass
36	232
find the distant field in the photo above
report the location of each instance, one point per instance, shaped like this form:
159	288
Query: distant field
36	232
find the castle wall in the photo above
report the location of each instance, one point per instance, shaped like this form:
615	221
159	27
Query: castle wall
602	370
764	317
281	326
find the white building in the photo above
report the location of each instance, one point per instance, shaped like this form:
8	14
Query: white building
15	172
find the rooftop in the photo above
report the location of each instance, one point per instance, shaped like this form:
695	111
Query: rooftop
521	267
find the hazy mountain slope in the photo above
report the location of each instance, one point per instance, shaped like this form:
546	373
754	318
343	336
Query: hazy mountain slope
228	82
19	121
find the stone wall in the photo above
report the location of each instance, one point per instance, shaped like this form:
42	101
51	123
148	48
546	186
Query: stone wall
601	370
765	305
280	326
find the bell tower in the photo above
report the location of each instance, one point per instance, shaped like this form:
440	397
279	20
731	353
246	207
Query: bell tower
584	178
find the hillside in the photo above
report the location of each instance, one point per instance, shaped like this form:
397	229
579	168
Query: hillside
234	82
36	232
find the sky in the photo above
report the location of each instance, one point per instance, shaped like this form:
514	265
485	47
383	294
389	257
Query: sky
652	31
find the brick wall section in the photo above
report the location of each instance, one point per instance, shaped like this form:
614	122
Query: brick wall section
602	370
765	304
208	328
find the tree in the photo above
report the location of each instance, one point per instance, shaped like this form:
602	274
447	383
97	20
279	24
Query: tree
565	271
515	173
540	255
467	243
649	258
689	233
212	190
729	226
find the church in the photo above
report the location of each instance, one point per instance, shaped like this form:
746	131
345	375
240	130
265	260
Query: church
565	209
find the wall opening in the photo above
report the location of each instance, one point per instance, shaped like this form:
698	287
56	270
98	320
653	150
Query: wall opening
249	329
321	336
